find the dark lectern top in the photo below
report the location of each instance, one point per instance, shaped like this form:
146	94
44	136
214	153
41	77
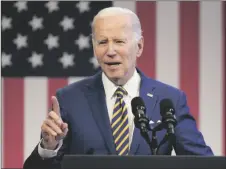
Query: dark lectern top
143	162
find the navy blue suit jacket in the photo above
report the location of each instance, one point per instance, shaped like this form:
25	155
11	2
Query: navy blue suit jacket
83	107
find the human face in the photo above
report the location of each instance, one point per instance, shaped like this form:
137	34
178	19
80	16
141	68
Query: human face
115	47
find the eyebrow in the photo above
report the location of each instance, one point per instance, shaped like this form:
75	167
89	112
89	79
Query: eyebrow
114	38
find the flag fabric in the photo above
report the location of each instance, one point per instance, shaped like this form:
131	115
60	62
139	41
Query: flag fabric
47	45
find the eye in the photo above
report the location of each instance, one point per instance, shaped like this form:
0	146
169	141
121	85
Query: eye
102	42
119	41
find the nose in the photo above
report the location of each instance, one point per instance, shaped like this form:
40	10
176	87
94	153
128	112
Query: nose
111	50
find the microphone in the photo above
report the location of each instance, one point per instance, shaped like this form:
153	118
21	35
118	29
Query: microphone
167	112
141	122
169	122
139	111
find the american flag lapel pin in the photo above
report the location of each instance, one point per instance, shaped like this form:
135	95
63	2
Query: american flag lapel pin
150	95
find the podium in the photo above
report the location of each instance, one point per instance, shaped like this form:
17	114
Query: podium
143	162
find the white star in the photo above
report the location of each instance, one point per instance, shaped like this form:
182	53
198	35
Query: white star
67	60
6	60
82	42
52	41
36	59
6	23
52	6
94	61
83	6
21	5
67	23
36	23
20	41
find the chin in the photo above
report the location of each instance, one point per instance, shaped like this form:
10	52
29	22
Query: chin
115	75
118	79
115	78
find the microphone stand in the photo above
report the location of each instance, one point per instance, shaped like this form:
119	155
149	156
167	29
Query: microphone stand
150	143
154	143
144	129
172	142
169	136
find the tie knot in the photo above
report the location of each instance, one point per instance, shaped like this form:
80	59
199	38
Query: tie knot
120	92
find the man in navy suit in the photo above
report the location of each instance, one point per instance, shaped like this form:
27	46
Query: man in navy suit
84	113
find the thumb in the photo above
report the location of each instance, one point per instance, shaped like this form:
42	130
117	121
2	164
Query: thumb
55	105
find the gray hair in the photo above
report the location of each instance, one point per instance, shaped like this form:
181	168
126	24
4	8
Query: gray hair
110	11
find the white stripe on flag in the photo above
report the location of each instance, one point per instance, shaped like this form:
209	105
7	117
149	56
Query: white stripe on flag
211	110
167	57
167	62
126	4
35	111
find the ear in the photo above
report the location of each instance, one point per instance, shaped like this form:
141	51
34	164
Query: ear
140	46
93	43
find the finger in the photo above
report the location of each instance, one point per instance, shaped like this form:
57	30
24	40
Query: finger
64	126
53	116
48	130
65	131
53	126
62	136
55	105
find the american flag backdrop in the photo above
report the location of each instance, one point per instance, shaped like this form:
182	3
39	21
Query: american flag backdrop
47	45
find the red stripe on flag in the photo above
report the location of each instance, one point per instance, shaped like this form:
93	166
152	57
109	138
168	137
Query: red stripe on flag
224	74
189	54
146	11
13	100
53	85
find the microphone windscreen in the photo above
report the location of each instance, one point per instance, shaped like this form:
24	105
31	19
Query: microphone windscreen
165	106
137	103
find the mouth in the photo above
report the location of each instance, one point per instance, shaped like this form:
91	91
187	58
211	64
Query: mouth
112	63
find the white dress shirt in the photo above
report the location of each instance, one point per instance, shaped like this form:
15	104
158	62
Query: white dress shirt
132	87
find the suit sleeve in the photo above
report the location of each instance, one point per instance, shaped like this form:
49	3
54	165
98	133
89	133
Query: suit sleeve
189	140
35	161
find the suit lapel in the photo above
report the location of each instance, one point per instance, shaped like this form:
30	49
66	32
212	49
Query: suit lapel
96	98
147	90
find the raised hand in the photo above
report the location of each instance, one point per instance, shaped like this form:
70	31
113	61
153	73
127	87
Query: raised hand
53	128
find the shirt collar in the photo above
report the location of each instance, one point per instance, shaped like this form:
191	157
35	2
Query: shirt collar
132	86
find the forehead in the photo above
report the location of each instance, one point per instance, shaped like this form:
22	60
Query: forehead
113	25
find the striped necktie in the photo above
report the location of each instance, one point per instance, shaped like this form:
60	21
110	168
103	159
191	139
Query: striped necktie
119	124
